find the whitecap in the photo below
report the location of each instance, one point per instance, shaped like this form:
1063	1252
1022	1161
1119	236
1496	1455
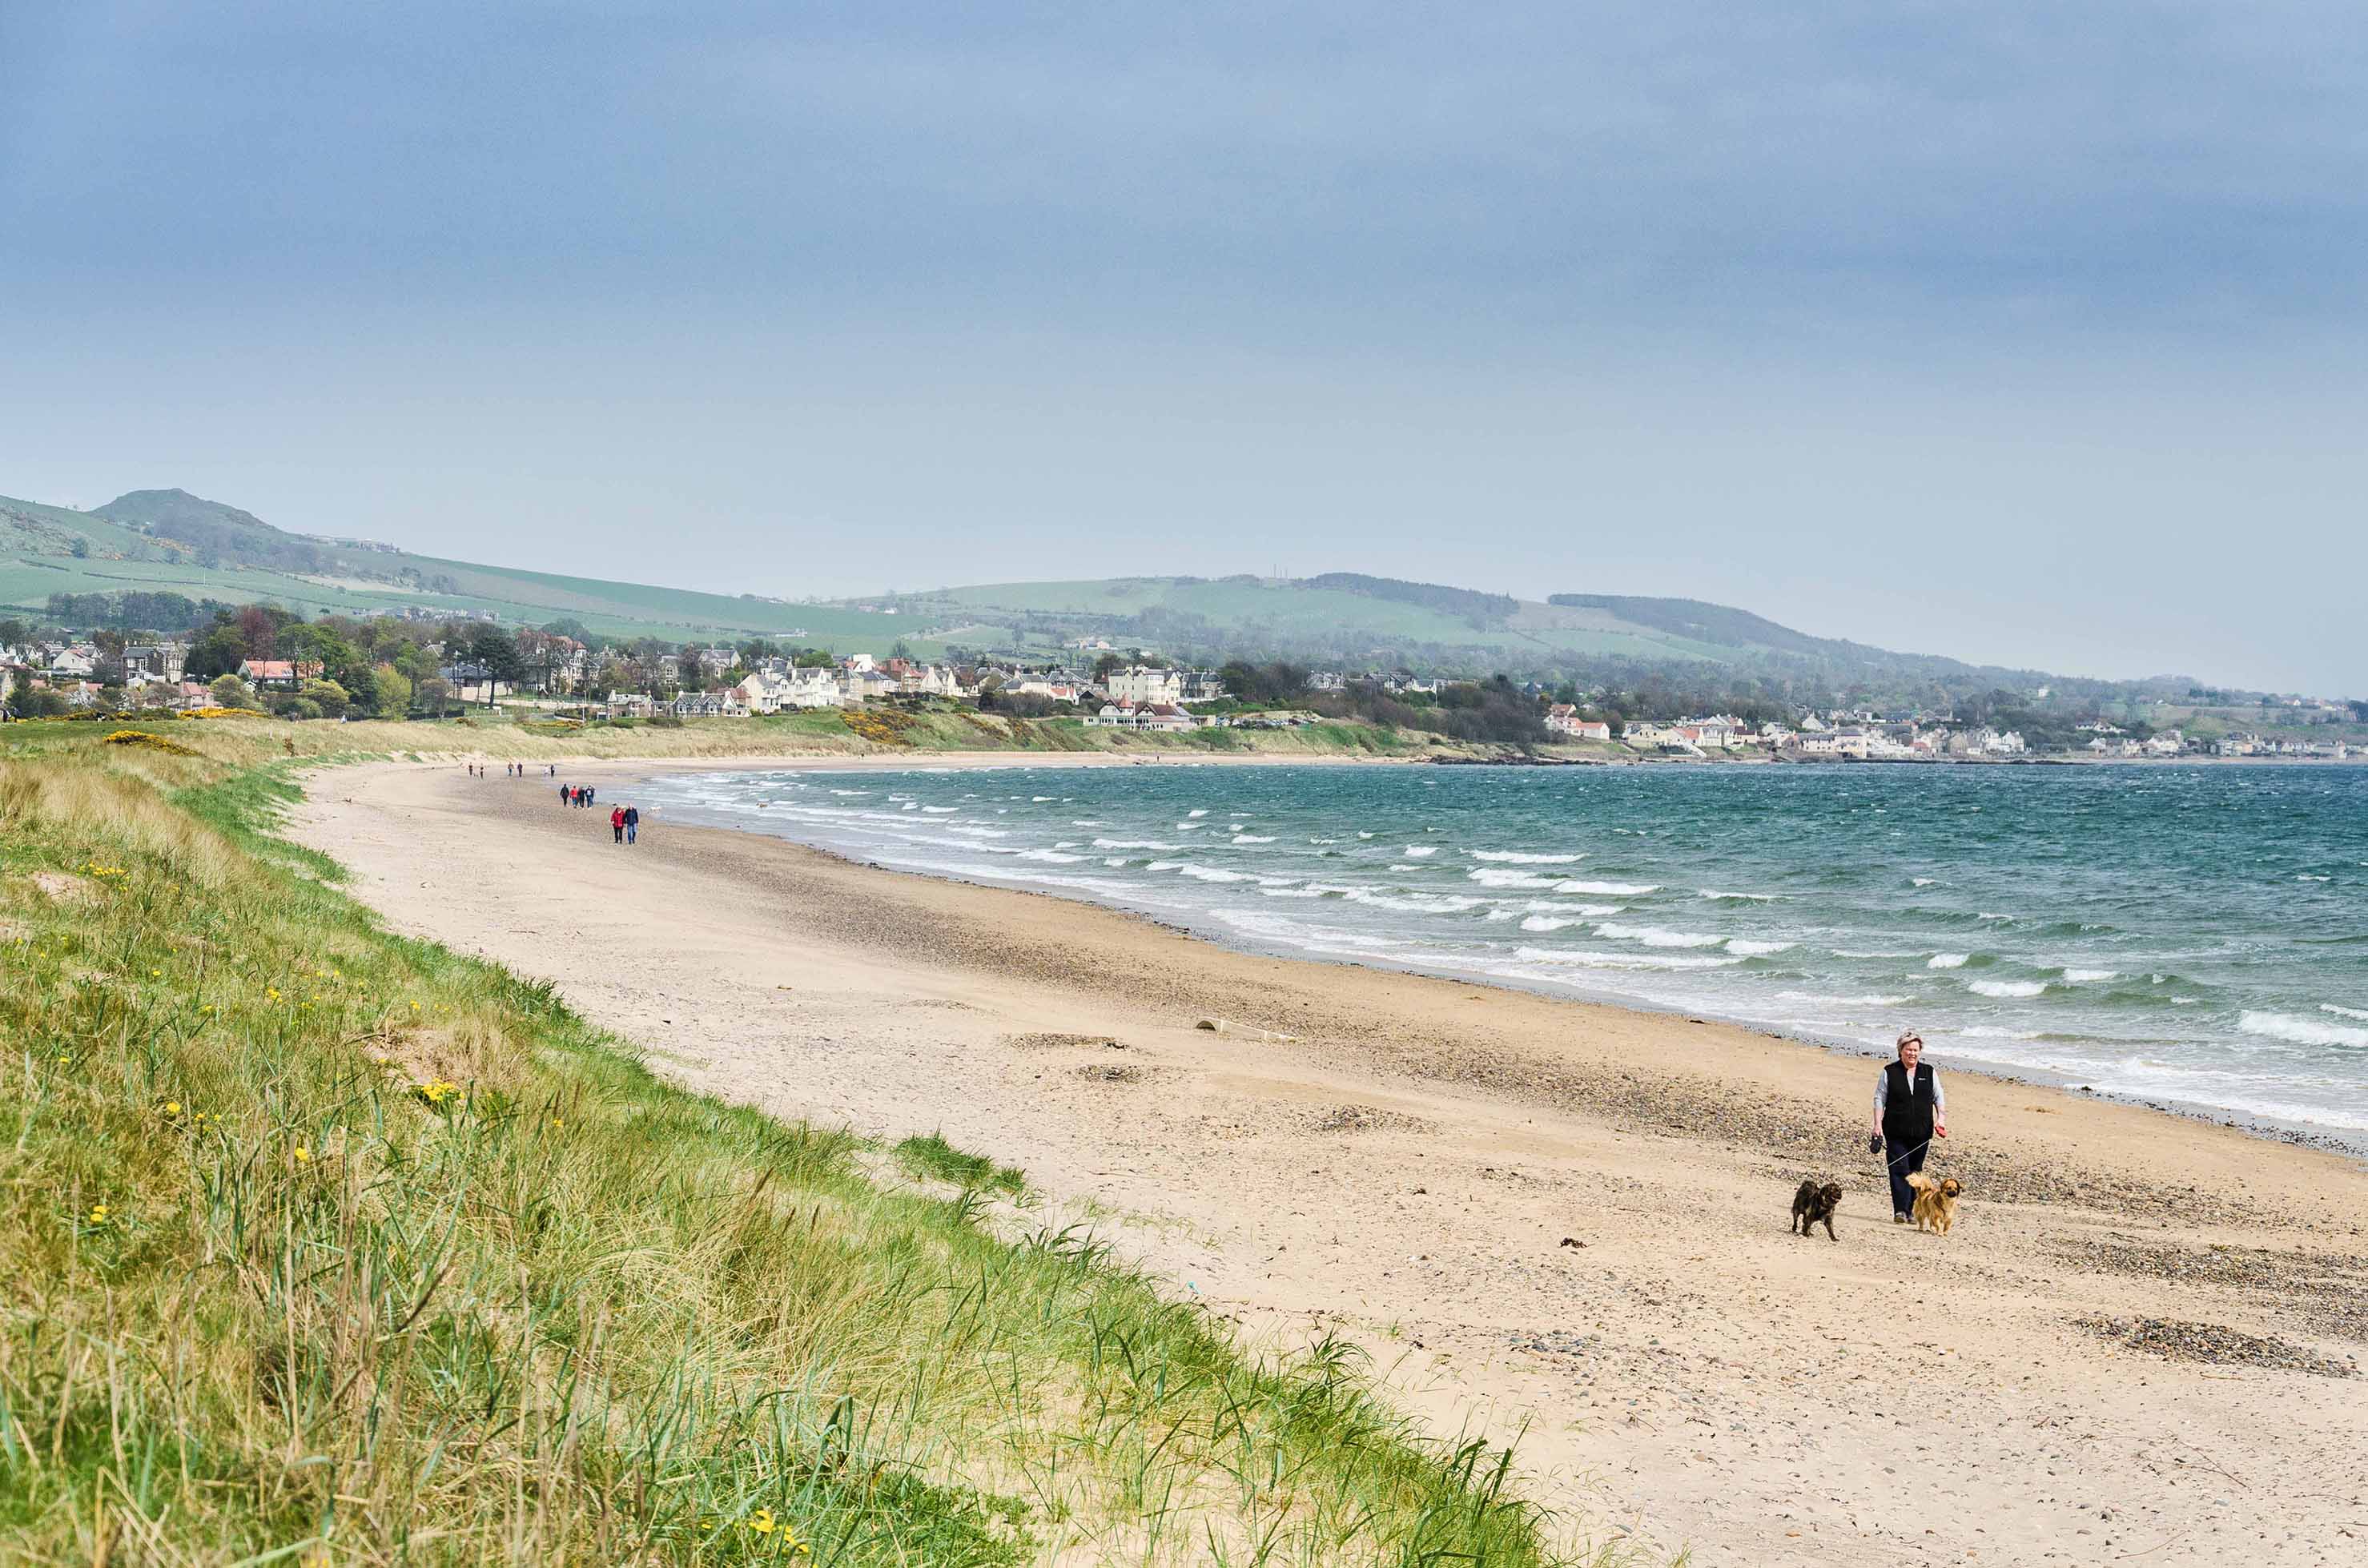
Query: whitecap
1546	922
1657	936
1197	812
1610	889
1503	877
1921	882
1133	843
1947	961
1087	821
2296	1030
1848	953
1739	897
2006	987
939	811
1251	839
1523	857
2088	976
1417	851
2342	1012
1813	998
1757	950
1618	960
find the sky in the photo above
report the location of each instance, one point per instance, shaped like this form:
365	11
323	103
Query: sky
2018	331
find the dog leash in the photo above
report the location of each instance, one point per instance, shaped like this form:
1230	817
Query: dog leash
1908	1153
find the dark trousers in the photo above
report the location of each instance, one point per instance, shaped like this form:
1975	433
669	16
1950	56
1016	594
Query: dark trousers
1902	1159
619	829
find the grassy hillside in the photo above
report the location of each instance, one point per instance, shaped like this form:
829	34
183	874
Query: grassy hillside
169	539
329	1246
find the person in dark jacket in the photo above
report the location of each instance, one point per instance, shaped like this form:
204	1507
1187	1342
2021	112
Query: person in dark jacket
633	822
1910	1112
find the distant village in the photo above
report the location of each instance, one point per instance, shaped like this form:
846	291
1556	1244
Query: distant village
557	676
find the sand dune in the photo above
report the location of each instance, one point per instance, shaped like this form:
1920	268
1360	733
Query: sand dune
1541	1216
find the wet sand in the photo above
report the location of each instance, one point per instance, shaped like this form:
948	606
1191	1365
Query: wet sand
1540	1217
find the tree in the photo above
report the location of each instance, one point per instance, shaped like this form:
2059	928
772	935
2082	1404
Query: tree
498	652
258	631
80	550
1106	664
393	691
329	696
218	653
229	691
12	632
435	693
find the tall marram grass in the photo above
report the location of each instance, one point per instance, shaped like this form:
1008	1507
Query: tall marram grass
326	1246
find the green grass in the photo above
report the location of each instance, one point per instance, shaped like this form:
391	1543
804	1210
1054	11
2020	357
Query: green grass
327	1245
933	1156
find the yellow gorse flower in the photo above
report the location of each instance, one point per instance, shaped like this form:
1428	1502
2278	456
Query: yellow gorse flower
761	1521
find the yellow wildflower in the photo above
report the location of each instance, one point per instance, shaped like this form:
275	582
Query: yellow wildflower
303	1155
173	1108
761	1521
98	1213
155	974
272	991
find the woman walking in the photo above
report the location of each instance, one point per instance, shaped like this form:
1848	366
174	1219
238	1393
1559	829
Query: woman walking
617	824
1910	1112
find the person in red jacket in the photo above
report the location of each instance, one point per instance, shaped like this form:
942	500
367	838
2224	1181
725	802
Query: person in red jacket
617	824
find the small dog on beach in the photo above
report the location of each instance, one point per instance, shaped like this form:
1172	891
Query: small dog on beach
1815	1202
1936	1201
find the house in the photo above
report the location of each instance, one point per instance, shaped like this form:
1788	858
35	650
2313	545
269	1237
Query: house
1563	719
2170	743
74	663
278	674
629	705
865	685
1058	688
157	663
473	683
709	705
1139	684
1160	716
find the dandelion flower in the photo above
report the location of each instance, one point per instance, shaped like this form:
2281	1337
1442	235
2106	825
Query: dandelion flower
303	1155
172	1108
155	974
761	1521
98	1217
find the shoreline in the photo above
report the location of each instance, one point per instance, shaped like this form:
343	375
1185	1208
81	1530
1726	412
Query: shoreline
2353	1147
1538	1215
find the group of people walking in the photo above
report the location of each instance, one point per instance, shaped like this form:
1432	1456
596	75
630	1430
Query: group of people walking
624	821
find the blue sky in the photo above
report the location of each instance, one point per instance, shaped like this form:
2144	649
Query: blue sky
2021	331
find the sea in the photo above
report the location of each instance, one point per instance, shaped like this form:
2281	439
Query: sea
2189	937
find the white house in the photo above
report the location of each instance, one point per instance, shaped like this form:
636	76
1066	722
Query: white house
1139	684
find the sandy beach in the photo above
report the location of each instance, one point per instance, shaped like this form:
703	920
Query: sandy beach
1544	1218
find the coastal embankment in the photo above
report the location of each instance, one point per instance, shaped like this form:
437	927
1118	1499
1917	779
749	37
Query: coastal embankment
1546	1219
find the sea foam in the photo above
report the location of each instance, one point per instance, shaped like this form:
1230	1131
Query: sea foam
1610	889
2006	987
1947	961
1523	857
2296	1030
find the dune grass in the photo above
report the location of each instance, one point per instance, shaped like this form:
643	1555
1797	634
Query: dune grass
329	1246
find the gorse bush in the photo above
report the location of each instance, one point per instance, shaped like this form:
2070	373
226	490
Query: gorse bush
326	1246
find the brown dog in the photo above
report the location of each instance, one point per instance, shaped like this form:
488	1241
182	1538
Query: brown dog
1935	1202
1813	1203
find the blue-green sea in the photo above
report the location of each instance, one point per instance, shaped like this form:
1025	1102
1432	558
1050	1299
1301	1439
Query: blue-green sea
2189	935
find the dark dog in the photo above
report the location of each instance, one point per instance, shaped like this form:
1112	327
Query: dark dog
1813	1203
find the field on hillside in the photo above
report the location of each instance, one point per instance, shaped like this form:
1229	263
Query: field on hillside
1250	609
330	1246
36	561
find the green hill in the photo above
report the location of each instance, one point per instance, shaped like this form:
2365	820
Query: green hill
168	541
